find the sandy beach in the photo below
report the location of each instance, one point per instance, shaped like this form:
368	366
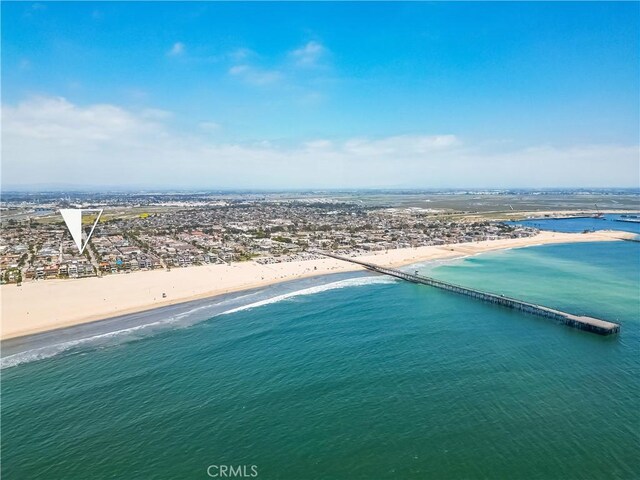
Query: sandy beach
39	306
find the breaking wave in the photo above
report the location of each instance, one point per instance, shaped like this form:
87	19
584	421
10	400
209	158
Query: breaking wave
184	319
352	282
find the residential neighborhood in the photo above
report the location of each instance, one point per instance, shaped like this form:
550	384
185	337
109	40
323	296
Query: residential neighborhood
162	234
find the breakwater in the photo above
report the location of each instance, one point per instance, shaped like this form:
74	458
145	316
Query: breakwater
589	324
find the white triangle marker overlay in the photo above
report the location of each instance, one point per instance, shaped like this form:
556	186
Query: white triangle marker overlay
73	218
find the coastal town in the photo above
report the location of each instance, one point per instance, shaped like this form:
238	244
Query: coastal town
164	234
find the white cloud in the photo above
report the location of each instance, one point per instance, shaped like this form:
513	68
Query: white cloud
56	120
318	144
241	54
401	144
51	140
255	76
238	69
209	126
309	54
155	114
177	49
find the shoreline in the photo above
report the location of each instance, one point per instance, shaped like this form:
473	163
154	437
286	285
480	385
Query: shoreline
43	306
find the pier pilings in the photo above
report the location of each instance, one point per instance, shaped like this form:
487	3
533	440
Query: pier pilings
589	324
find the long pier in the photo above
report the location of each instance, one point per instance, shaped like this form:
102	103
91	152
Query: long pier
589	324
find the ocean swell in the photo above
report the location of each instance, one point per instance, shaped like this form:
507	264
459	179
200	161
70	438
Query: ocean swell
183	319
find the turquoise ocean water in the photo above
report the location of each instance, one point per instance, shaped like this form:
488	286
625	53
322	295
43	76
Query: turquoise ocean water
357	376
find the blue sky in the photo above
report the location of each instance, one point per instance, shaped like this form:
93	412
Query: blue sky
278	95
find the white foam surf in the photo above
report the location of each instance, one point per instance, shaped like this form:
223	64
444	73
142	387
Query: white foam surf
182	319
352	282
100	339
55	349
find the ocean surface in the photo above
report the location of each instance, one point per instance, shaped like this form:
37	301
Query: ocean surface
346	377
572	225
